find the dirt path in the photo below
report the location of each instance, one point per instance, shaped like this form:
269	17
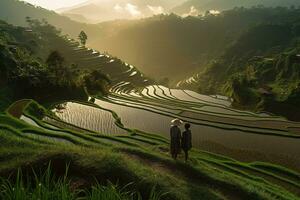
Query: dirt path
230	192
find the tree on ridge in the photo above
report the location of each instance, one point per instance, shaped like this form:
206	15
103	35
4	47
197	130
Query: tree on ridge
83	38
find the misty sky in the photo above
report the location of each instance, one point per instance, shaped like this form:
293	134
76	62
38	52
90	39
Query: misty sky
55	4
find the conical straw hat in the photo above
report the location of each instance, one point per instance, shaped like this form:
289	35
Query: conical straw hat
176	122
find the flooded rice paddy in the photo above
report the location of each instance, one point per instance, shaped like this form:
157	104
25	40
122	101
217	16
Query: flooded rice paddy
90	118
154	119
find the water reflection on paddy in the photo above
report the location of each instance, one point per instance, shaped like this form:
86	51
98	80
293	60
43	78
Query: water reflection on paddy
90	118
160	124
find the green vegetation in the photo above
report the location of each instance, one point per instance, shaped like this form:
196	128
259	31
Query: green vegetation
259	73
44	185
25	74
178	47
257	65
38	62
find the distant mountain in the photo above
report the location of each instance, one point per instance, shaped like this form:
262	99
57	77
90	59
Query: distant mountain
105	10
195	7
15	12
77	17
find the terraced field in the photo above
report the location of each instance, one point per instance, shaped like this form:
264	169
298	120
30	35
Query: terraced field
126	76
208	175
216	126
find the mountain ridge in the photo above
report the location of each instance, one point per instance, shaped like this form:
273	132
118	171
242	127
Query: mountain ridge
201	6
99	10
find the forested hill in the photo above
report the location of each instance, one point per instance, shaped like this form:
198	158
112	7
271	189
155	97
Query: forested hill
201	6
32	68
38	62
260	70
15	12
174	47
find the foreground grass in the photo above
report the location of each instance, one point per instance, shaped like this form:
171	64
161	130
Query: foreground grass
143	168
48	187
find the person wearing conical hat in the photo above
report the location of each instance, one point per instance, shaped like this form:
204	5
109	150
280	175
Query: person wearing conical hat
175	136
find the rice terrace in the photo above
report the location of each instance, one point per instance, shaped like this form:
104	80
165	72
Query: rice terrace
92	91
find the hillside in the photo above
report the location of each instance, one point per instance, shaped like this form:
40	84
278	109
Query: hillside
177	47
258	73
173	44
196	7
29	69
15	12
76	17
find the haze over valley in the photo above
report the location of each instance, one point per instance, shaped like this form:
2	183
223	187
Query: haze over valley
95	11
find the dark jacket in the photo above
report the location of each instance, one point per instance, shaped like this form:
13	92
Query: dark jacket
175	135
186	140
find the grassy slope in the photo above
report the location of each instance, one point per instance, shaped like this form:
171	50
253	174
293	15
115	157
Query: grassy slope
107	158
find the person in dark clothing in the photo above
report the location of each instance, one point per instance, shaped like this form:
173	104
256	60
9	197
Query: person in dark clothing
186	140
175	135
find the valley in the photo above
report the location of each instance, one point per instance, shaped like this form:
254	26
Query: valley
86	119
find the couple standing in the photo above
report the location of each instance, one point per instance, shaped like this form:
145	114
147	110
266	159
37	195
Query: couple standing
179	141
